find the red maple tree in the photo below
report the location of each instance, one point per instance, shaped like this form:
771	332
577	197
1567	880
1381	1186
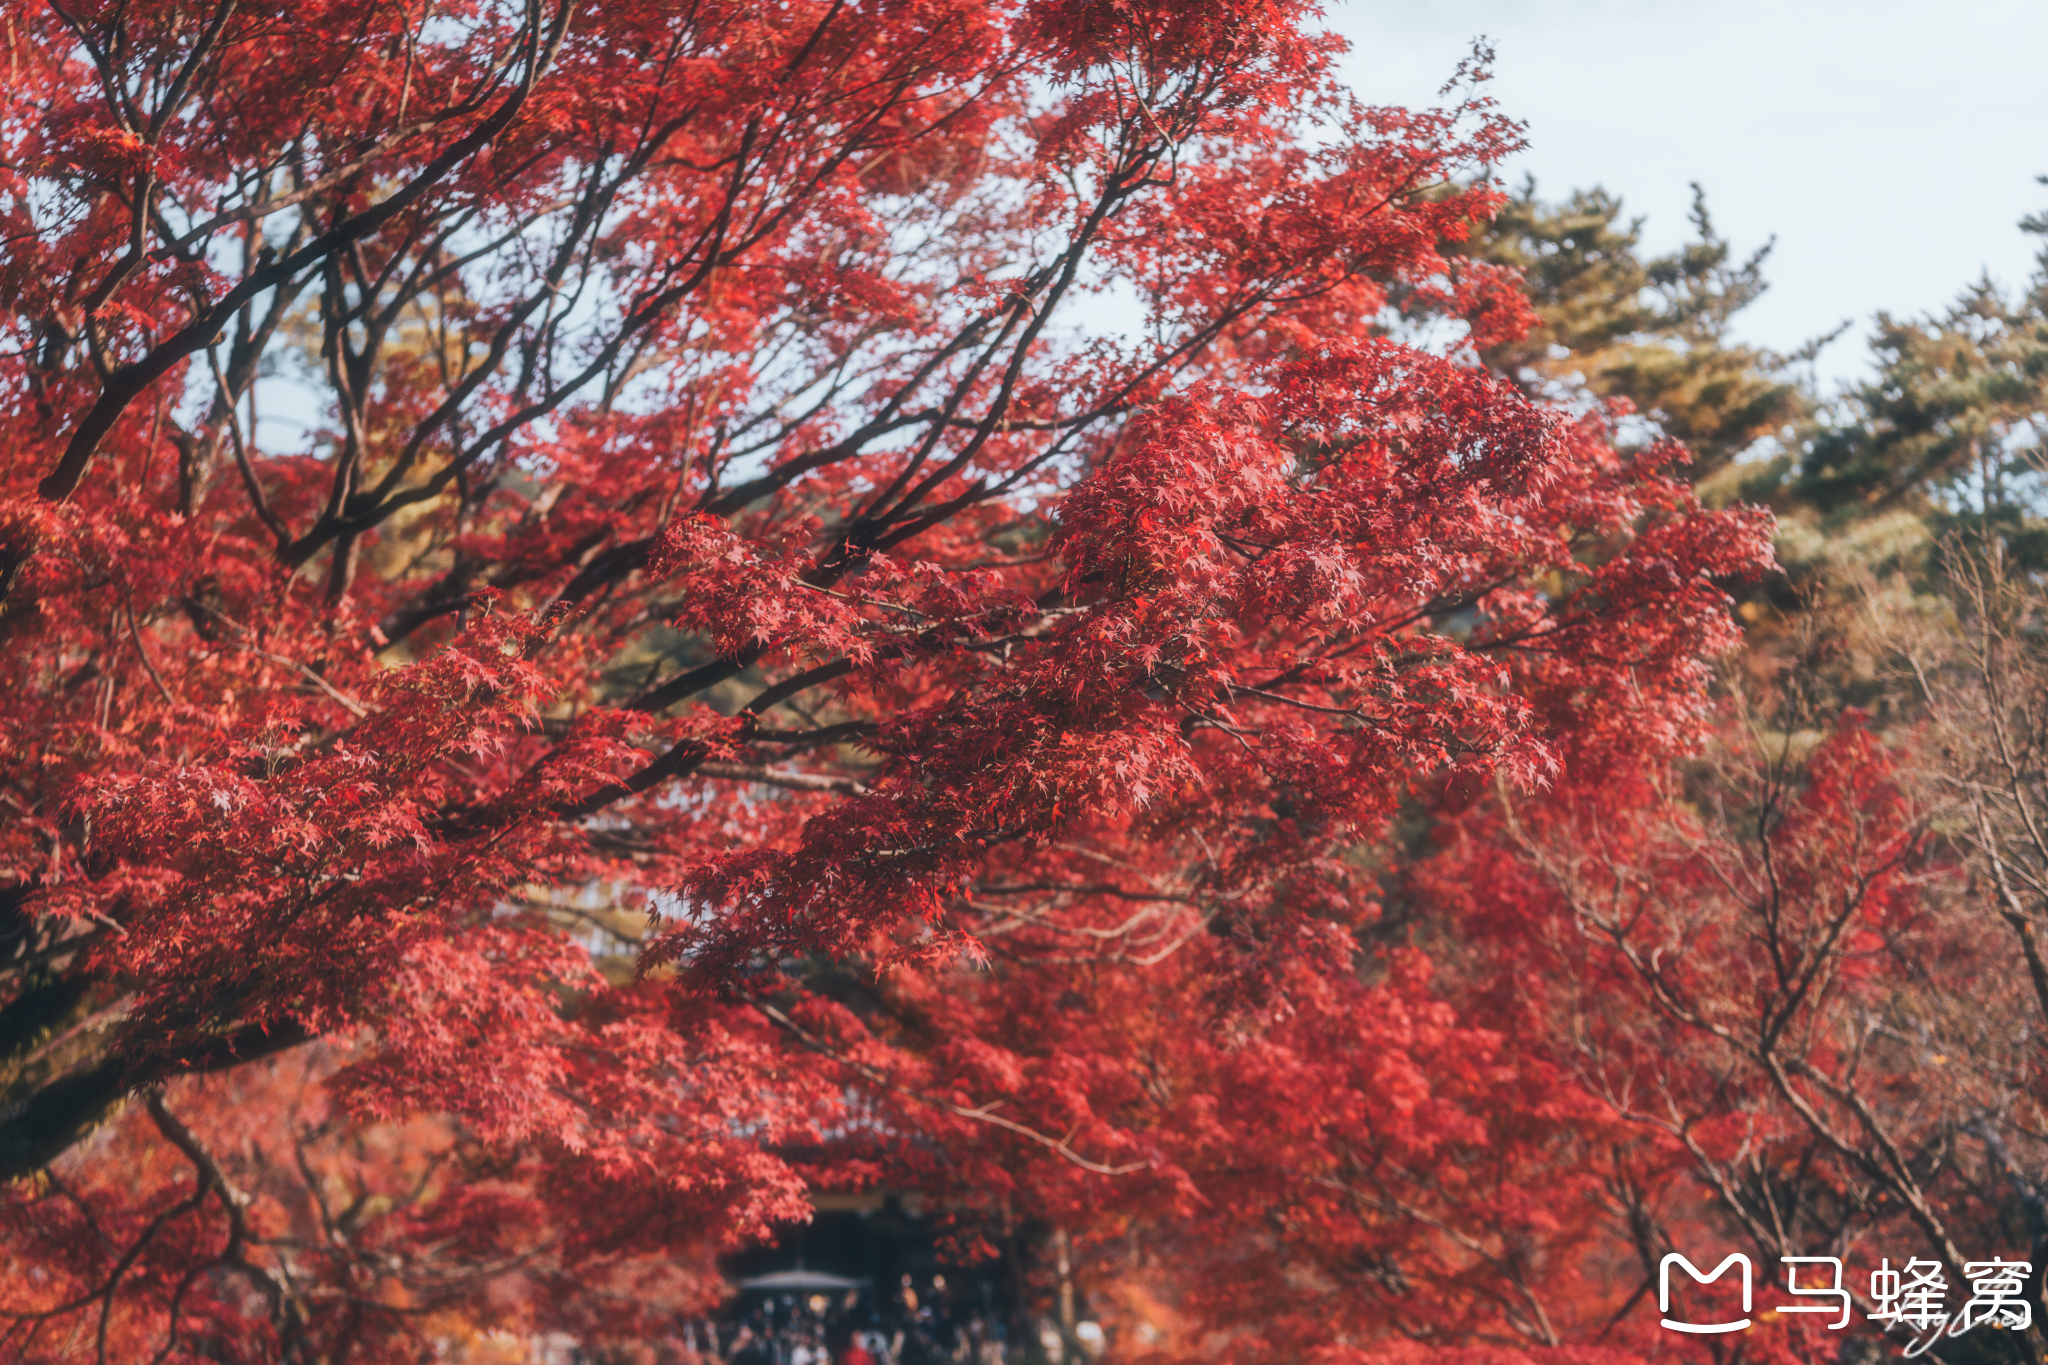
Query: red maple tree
943	509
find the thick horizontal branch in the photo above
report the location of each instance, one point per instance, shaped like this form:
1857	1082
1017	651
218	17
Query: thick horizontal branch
36	1130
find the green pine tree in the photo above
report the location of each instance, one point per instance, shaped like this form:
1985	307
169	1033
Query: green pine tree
1655	331
1951	426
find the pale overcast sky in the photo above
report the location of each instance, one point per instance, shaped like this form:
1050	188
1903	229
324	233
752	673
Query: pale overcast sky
1891	147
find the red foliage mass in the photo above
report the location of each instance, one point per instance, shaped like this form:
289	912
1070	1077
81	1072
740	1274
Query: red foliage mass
719	509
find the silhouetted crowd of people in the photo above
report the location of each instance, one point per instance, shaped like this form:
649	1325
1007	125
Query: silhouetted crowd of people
851	1328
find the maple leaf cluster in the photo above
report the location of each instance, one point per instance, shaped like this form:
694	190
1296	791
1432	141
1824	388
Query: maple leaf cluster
598	633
